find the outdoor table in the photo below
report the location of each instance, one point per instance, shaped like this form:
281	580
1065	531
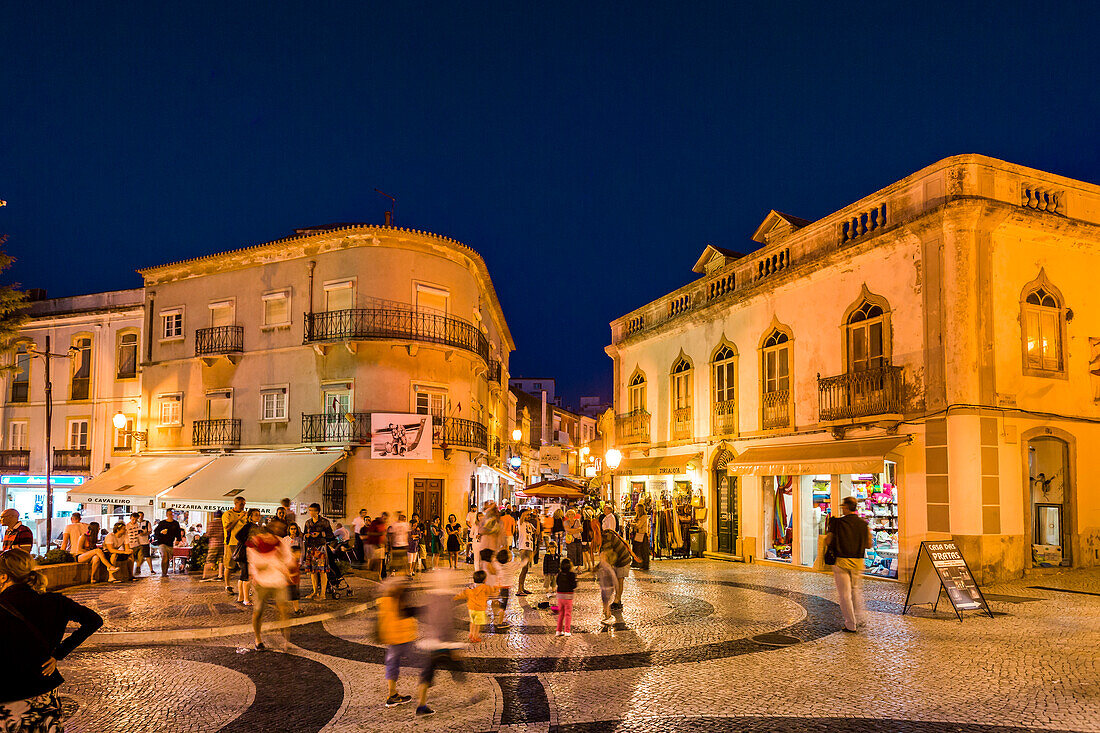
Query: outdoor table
181	554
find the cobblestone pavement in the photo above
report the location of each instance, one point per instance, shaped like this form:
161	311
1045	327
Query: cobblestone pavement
700	645
180	601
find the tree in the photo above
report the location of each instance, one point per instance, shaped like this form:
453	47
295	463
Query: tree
13	302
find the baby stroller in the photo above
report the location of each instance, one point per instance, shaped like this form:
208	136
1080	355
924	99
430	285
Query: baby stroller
337	582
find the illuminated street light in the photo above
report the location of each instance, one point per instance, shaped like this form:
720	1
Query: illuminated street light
613	458
517	434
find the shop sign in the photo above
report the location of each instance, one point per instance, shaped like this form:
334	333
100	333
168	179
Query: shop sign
209	506
550	454
41	480
92	499
940	564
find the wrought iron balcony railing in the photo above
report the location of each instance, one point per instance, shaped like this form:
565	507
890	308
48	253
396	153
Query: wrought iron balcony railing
775	409
494	447
724	417
219	340
216	432
400	323
495	370
860	394
456	432
681	424
15	460
329	427
632	427
65	459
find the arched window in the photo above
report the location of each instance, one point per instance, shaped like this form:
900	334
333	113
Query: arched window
724	378
82	367
636	397
126	360
21	374
681	399
1042	330
865	338
775	383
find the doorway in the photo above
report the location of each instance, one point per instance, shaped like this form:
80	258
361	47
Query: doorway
428	498
1049	491
725	503
337	404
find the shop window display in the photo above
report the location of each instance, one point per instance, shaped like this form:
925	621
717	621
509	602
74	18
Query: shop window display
877	496
815	502
778	517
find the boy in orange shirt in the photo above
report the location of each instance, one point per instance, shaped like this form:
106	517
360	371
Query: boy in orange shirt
476	600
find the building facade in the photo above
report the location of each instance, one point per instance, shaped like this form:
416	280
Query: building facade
932	349
95	375
274	361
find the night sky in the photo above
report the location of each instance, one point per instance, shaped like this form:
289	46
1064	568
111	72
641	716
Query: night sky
588	151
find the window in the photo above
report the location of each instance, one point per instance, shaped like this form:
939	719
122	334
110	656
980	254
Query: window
171	324
681	384
340	296
277	308
124	438
636	393
222	314
1042	331
431	299
82	367
21	379
127	356
724	377
273	403
430	403
78	435
17	435
171	413
776	363
865	342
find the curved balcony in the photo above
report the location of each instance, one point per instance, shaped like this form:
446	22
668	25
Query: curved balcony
456	432
395	322
632	427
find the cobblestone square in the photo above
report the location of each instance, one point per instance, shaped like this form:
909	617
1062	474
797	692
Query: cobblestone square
695	648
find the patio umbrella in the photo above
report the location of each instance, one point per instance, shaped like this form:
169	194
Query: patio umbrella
559	488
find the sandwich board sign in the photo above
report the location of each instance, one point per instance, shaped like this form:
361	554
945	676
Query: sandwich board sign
940	564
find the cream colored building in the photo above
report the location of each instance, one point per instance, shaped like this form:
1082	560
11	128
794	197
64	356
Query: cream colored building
263	367
933	349
96	374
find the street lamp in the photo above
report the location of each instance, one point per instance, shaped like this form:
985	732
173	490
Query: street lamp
119	421
517	435
612	458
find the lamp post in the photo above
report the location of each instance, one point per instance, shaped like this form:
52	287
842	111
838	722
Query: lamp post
47	355
613	457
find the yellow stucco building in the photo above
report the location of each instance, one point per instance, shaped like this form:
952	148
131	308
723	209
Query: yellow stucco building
932	349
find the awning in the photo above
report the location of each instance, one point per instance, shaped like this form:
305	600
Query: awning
139	479
507	476
559	488
864	455
658	466
263	479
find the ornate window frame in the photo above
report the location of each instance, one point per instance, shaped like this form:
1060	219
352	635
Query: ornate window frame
1049	290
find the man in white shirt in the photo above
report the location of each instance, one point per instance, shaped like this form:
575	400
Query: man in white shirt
74	530
399	545
357	525
609	522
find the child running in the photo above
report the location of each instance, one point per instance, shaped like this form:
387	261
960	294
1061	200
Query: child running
566	583
476	598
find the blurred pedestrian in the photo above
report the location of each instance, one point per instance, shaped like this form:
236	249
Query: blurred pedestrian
252	520
507	565
375	544
215	547
438	641
850	536
526	532
269	563
398	535
232	519
477	598
291	517
617	553
34	625
397	630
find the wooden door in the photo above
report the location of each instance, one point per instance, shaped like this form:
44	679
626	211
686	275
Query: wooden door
428	498
727	510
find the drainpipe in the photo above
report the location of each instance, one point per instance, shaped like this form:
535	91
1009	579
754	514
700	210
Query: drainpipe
312	265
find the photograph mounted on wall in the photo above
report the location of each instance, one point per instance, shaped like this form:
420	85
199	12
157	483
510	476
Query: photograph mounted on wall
394	435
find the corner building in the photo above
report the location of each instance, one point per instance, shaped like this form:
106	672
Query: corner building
932	349
270	361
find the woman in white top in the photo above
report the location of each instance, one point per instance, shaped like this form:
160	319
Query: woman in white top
525	547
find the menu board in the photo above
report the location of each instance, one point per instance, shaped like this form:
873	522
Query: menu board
941	565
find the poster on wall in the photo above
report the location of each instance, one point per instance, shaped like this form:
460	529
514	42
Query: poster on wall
395	435
940	564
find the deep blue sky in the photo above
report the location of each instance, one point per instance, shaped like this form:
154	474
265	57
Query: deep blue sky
588	151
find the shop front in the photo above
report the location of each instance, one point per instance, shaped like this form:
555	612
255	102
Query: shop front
27	494
671	491
802	486
488	483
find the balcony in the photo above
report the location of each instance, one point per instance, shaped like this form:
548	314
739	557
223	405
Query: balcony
456	432
72	460
775	409
681	424
216	432
15	460
219	341
494	372
494	447
860	394
632	427
395	322
724	418
348	427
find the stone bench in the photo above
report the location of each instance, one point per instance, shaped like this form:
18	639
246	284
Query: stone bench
68	574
